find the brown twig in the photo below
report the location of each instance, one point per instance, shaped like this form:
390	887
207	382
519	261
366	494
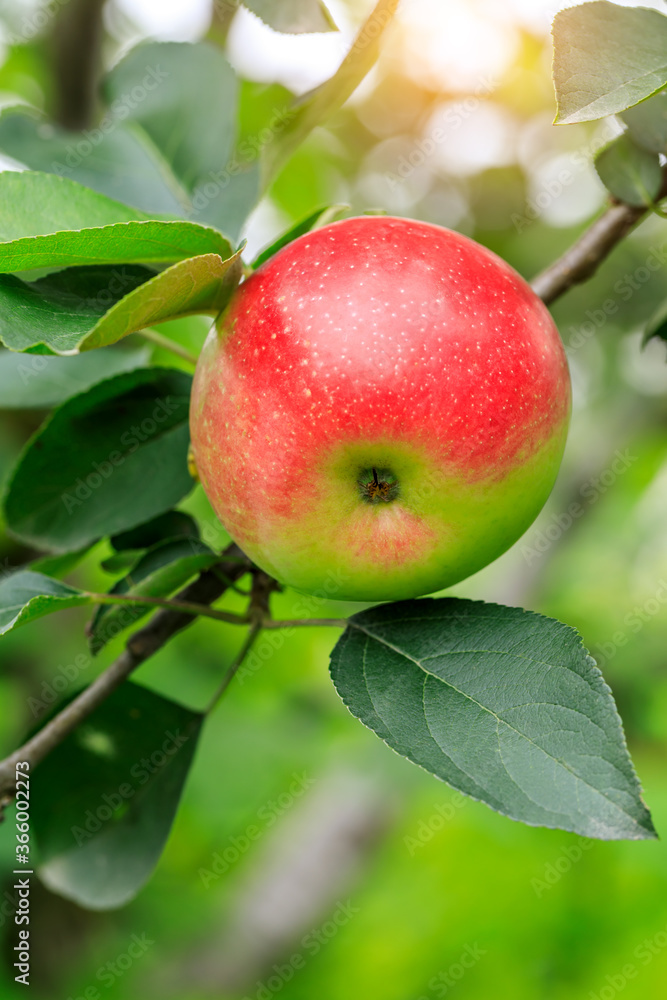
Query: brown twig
142	645
584	257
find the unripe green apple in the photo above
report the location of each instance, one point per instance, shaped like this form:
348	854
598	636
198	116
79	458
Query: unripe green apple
381	411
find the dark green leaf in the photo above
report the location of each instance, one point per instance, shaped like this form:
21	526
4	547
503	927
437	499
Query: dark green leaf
657	325
34	381
293	17
647	123
25	596
320	104
322	217
173	524
121	562
131	545
502	704
630	173
103	802
118	162
105	461
606	59
163	570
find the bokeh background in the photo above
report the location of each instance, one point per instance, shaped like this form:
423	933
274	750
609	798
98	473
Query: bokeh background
300	834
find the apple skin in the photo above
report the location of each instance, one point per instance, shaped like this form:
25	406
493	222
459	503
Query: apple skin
383	344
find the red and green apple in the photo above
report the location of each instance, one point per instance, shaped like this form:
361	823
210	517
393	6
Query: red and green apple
384	403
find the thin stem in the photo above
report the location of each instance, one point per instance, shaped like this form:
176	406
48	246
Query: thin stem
305	623
231	672
187	607
167	344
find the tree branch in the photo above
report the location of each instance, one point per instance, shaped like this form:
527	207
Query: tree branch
76	56
584	257
142	645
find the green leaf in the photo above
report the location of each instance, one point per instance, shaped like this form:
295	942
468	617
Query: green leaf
190	117
151	242
606	59
69	311
103	802
194	286
60	565
630	173
164	569
657	325
647	123
34	204
105	461
173	524
227	201
194	135
130	546
38	382
119	162
322	217
312	109
293	17
26	596
502	704
189	112
55	313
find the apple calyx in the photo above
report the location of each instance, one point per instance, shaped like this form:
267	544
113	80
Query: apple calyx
376	489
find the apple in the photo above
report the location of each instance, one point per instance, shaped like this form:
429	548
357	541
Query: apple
381	410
